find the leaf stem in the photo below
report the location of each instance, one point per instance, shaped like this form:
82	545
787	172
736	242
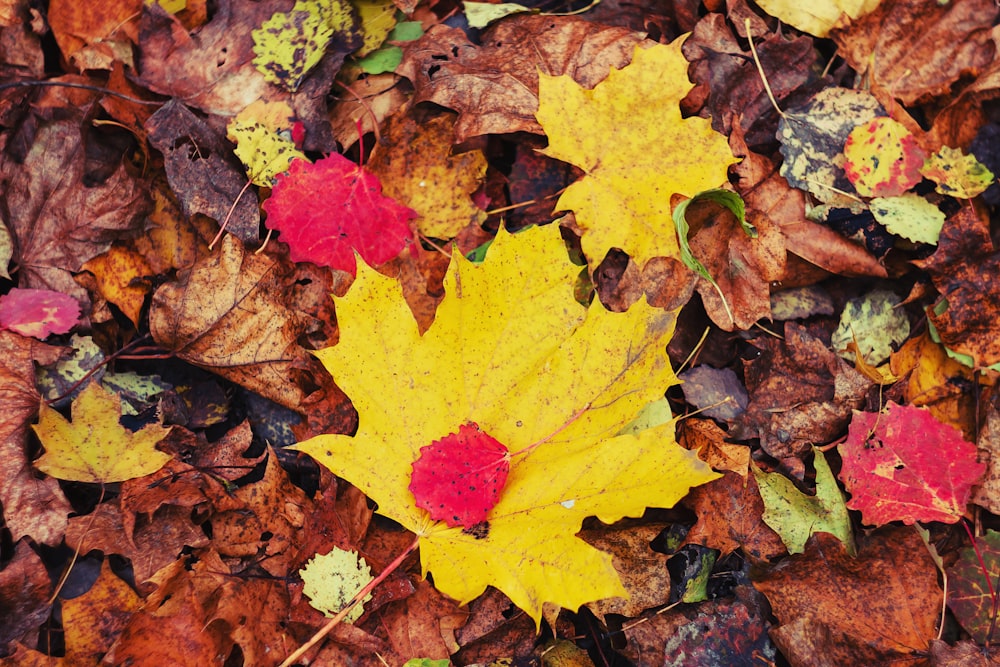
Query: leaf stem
358	597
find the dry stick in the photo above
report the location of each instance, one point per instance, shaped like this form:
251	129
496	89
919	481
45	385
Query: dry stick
358	597
211	246
76	552
79	86
760	69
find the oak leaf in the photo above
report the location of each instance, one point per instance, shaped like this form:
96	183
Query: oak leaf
95	447
512	351
627	134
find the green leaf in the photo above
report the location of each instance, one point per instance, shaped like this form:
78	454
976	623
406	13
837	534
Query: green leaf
795	516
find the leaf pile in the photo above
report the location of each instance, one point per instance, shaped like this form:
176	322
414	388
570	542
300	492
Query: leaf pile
303	298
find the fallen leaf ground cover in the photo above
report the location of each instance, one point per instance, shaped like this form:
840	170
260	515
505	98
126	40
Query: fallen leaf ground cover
426	333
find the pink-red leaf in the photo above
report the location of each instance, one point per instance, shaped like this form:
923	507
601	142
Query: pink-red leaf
328	210
905	465
458	479
882	158
38	312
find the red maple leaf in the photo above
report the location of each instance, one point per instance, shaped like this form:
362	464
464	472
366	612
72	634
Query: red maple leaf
328	209
905	465
458	479
38	312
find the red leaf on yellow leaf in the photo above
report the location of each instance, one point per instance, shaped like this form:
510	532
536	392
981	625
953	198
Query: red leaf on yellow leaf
458	479
904	465
327	210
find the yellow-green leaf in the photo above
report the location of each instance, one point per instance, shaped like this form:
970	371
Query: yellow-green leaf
378	18
957	174
795	516
95	447
331	581
289	44
627	134
512	351
264	153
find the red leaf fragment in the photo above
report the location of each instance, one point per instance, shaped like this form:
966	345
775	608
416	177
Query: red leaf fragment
905	465
38	312
458	479
328	209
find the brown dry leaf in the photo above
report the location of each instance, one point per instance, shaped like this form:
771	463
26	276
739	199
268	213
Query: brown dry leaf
743	267
150	544
267	529
119	273
987	493
716	632
801	394
380	97
415	163
25	588
705	437
965	269
93	621
340	518
735	91
203	171
642	570
495	629
59	218
494	87
229	314
965	653
876	609
94	36
31	506
212	67
764	189
913	50
173	625
730	517
423	624
172	241
253	613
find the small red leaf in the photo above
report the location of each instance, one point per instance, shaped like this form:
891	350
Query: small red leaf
905	465
327	210
458	479
38	312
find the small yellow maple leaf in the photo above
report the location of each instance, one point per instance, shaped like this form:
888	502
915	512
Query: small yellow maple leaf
95	447
627	134
511	351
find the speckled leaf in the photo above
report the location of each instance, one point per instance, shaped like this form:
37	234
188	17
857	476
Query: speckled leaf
956	174
882	158
910	216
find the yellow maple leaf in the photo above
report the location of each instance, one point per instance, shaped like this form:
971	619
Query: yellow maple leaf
627	134
95	447
512	351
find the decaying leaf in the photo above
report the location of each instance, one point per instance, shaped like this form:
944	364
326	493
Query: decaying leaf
971	592
623	201
513	352
957	174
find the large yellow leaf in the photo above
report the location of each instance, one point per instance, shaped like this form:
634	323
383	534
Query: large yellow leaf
95	447
512	351
627	134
